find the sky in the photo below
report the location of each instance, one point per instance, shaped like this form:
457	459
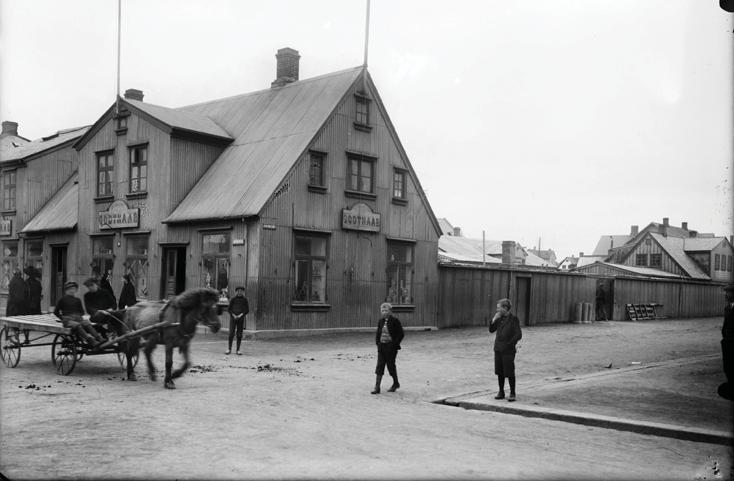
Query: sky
549	123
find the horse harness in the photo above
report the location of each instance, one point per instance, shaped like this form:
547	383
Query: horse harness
167	304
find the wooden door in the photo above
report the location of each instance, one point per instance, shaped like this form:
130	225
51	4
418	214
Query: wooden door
173	280
522	300
58	272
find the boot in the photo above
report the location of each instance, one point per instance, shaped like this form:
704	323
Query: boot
395	385
376	390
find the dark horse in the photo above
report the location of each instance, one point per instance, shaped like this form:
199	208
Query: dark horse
183	312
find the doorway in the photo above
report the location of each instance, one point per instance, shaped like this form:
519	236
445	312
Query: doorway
58	273
604	299
522	299
173	280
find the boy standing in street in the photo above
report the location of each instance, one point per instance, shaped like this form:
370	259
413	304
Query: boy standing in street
508	331
238	309
388	338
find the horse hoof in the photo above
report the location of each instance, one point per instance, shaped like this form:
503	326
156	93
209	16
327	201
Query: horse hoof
170	385
153	377
132	377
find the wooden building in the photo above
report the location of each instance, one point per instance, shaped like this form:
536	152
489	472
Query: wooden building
302	192
38	184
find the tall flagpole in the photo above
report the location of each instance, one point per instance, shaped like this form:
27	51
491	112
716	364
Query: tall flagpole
366	47
119	28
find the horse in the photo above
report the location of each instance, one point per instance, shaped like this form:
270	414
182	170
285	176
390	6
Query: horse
183	312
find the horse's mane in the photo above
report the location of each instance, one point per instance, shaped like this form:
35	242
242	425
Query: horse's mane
194	298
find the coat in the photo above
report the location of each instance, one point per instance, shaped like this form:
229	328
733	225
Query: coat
17	297
127	296
34	295
508	333
393	327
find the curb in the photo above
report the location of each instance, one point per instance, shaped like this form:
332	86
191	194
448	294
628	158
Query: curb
607	422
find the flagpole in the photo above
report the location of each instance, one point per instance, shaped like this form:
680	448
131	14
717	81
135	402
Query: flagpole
119	28
366	47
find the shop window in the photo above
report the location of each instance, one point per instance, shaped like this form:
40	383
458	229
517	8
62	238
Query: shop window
316	169
361	173
216	251
641	260
136	264
105	170
10	263
9	182
398	184
139	169
656	260
102	256
399	273
363	110
34	253
310	268
717	262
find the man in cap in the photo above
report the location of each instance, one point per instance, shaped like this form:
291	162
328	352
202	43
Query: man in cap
69	309
17	295
726	390
238	309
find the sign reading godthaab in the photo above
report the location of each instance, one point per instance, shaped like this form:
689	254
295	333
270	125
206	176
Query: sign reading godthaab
360	217
118	216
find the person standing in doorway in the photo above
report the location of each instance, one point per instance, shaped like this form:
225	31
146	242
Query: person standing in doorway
726	390
127	294
388	337
507	326
238	309
17	295
601	302
104	284
35	289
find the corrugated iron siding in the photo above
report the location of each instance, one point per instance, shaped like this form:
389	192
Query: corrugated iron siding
679	298
189	161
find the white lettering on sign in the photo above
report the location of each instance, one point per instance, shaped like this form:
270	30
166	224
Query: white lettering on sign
6	227
361	217
118	216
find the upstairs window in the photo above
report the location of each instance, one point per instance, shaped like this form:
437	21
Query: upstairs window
310	268
717	262
641	260
9	182
316	169
139	169
398	184
656	260
361	173
105	170
363	109
730	264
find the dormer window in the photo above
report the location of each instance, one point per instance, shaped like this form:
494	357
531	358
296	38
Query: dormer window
121	122
362	114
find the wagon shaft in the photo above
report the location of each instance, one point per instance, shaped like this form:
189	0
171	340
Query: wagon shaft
132	334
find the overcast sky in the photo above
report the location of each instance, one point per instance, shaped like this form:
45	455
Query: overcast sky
561	120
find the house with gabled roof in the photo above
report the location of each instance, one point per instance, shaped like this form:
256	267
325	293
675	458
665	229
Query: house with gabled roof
301	192
35	175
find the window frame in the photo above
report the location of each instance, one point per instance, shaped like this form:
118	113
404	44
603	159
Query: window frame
142	260
321	156
216	258
12	262
659	259
731	260
637	260
34	260
309	302
403	198
132	150
397	299
108	168
360	159
10	190
717	262
99	259
362	116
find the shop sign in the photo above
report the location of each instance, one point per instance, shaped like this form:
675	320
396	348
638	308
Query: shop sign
118	216
361	217
6	226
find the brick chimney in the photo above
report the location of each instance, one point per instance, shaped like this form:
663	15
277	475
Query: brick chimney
287	67
684	225
666	221
508	252
134	94
581	254
634	230
457	231
9	128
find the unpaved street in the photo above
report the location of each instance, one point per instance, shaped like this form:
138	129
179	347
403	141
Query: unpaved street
301	408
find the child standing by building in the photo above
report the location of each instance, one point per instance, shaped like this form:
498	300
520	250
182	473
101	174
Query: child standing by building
238	309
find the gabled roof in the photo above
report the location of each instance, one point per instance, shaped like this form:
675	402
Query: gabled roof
634	270
43	144
674	246
533	260
697	244
469	250
181	119
61	212
11	142
446	227
606	242
587	260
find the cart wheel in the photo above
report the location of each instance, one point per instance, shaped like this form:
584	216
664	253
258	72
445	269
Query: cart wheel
10	346
121	357
65	353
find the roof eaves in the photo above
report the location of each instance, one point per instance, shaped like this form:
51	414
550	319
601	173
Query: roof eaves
96	127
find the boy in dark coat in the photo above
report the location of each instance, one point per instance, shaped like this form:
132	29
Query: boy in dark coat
238	309
69	309
508	331
35	290
388	337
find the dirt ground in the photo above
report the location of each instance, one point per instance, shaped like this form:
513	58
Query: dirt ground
301	408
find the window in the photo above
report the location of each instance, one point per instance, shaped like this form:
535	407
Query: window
648	242
316	169
105	169
717	262
730	262
310	268
9	182
656	260
215	261
363	109
139	169
34	253
136	264
102	256
398	184
399	273
10	263
641	260
361	173
121	122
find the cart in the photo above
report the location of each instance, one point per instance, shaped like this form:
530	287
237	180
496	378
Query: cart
66	347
